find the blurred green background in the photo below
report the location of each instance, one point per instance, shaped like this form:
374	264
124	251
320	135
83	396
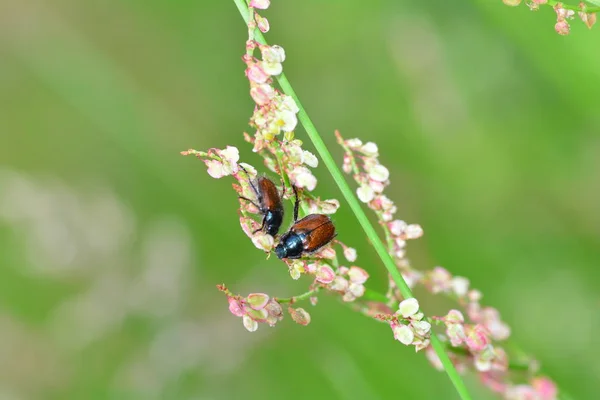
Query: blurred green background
111	243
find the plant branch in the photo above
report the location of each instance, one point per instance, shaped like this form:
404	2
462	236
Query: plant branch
357	210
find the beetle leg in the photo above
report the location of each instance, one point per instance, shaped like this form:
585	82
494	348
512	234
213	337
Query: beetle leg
253	203
261	227
296	204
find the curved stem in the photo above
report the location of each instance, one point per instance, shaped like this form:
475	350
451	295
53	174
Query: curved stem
352	201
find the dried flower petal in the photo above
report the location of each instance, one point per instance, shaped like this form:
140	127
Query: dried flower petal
299	315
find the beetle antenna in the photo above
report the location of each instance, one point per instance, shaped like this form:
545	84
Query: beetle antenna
249	181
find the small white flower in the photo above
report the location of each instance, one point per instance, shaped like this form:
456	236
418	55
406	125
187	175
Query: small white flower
397	227
350	254
404	334
422	328
413	231
370	149
379	173
358	275
310	159
288	103
356	289
273	54
263	241
354	143
271	68
460	285
365	193
408	307
215	168
303	178
339	284
287	120
249	323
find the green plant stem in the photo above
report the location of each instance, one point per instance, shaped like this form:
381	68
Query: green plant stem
300	297
348	194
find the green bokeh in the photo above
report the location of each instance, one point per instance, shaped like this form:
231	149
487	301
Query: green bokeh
486	118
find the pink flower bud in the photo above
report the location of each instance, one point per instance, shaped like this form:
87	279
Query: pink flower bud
434	359
235	307
256	74
350	254
413	231
299	315
347	165
477	338
257	301
456	334
260	4
454	317
545	388
325	274
562	27
326	252
262	94
357	275
262	23
397	227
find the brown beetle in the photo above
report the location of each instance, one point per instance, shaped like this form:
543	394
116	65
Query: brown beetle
306	235
269	204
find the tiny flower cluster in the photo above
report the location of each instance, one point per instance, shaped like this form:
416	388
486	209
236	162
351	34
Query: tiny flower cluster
372	178
472	342
408	324
275	112
254	309
439	280
563	13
